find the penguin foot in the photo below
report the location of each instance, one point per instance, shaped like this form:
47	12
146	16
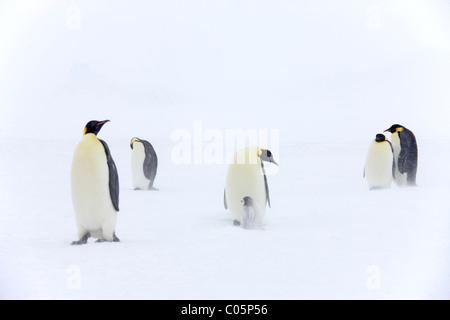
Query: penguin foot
236	223
83	240
137	188
152	189
115	239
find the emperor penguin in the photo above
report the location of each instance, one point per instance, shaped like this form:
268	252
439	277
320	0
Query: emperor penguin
144	164
251	214
246	178
379	166
95	187
405	155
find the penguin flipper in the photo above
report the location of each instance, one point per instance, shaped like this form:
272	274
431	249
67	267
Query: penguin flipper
393	160
225	199
267	190
407	159
409	163
406	162
401	161
393	168
266	185
113	177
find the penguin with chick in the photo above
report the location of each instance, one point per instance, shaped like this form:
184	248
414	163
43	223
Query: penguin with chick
94	187
246	177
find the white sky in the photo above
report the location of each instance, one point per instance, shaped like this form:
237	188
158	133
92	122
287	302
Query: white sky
346	58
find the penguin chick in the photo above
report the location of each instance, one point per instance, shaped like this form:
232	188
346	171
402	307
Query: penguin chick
144	164
251	214
379	165
405	155
94	187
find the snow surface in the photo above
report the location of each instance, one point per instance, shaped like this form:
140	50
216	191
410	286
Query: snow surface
317	75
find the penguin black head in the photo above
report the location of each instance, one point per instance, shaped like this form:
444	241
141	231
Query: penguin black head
133	141
380	138
247	201
266	155
94	126
395	128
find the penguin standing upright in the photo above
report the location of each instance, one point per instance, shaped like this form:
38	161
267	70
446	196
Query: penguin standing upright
405	155
95	187
144	164
379	165
246	178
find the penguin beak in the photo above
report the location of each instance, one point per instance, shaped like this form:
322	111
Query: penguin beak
101	123
391	130
273	161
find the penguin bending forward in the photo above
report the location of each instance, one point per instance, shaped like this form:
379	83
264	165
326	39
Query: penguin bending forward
405	155
144	164
379	166
95	187
246	178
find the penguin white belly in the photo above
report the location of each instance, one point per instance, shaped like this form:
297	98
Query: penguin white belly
245	180
399	178
137	166
90	189
378	166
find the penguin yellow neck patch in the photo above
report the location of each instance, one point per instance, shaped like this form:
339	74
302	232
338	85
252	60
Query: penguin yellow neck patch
259	152
84	131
